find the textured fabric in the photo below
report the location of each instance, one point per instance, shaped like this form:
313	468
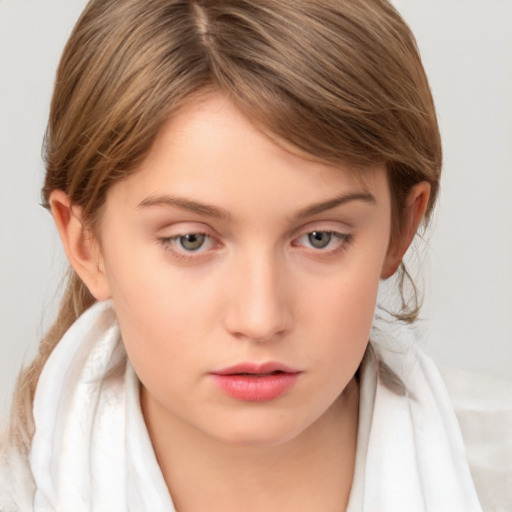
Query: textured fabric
92	451
367	376
416	457
483	407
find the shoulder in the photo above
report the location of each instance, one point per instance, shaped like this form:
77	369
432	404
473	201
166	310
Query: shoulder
483	406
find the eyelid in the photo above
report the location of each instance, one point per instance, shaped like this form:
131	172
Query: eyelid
176	239
343	237
343	228
169	236
342	231
170	247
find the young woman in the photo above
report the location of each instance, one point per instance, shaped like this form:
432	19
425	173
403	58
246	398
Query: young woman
231	182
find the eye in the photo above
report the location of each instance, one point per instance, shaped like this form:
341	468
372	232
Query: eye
319	239
188	243
323	240
192	241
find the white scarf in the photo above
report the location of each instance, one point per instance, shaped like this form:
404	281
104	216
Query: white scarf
416	459
92	452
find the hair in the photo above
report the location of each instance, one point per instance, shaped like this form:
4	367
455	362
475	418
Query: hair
341	80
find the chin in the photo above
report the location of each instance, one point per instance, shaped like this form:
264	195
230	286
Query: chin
260	430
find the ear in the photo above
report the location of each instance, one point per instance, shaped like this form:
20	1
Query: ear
415	207
82	248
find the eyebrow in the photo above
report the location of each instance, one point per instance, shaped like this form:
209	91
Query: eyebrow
187	205
324	206
220	213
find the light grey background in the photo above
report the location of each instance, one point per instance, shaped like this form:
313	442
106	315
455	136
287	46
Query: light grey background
466	262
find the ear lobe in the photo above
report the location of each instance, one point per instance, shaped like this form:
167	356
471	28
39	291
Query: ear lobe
81	246
416	205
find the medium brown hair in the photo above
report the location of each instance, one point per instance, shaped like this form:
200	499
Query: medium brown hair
341	80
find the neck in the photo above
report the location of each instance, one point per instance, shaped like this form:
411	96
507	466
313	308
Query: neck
204	474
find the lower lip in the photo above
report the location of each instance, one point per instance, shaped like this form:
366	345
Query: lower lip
256	388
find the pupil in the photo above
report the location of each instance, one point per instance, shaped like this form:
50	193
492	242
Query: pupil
319	239
192	242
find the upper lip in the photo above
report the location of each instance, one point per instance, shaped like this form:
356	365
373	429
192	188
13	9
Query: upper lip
256	369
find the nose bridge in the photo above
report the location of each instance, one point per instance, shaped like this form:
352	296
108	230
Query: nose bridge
259	306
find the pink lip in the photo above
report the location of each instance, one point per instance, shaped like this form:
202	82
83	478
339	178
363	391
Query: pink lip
252	382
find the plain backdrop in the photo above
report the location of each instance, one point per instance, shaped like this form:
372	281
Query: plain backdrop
466	260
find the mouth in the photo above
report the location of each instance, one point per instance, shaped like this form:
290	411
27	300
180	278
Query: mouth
268	368
250	382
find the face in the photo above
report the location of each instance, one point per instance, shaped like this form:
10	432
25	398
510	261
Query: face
244	276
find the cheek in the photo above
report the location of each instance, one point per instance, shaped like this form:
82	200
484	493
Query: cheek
347	314
157	308
144	283
338	314
348	293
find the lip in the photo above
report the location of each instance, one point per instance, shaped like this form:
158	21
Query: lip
256	382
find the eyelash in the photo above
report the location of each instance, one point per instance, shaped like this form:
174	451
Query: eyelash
343	240
169	244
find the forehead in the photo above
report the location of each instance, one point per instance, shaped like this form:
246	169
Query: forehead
210	151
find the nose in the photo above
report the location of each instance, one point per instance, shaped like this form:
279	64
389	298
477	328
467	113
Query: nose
259	304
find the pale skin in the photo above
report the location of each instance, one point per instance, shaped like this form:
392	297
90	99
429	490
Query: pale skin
282	262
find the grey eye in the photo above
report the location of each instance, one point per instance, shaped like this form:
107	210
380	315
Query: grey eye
192	241
319	239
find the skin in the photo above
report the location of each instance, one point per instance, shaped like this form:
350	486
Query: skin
258	289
